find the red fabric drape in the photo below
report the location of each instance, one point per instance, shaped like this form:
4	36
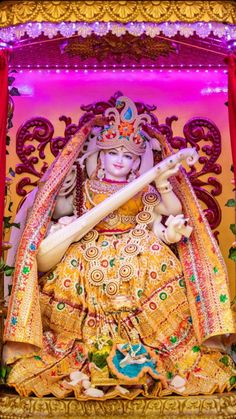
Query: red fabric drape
3	129
231	60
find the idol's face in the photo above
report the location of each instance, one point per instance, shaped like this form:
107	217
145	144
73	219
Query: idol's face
118	163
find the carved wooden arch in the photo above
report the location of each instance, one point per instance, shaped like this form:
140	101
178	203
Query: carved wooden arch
36	133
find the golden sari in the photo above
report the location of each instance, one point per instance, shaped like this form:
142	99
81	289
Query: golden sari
122	279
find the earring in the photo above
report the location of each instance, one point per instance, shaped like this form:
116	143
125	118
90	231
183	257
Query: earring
131	176
101	173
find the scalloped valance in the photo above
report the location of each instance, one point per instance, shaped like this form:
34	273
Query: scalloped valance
15	12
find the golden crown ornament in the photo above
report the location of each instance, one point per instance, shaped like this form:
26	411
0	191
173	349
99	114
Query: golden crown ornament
125	127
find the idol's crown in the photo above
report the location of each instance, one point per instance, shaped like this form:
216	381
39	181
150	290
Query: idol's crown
124	128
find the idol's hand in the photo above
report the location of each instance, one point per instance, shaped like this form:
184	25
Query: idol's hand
177	226
162	183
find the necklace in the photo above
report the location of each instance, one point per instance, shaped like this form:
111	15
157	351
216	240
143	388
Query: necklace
88	194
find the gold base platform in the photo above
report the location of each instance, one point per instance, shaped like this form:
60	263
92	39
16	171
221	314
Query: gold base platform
217	406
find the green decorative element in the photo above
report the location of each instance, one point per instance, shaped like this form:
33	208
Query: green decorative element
225	360
26	270
231	203
232	380
196	349
232	253
100	360
163	267
74	263
60	306
173	339
192	278
223	298
169	375
112	262
215	269
156	351
51	276
4	372
139	293
163	296
38	358
233	228
80	290
8	270
182	283
8	224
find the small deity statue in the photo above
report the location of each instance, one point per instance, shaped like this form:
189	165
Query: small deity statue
132	282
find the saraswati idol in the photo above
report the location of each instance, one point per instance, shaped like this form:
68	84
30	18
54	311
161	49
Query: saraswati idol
115	311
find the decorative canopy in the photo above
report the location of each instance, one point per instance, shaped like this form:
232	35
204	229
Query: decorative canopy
146	33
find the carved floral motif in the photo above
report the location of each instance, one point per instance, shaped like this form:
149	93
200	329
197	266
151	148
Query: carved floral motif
90	10
156	10
123	10
120	11
220	10
125	46
25	11
56	10
190	11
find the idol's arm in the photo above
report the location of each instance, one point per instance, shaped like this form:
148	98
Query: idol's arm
52	248
169	204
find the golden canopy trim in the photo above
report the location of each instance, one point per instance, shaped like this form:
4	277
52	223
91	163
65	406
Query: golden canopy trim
15	12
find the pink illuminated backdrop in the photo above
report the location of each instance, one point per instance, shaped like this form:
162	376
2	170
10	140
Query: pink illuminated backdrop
186	93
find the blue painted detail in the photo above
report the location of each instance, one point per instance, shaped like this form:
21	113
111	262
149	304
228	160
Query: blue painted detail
128	114
14	321
133	370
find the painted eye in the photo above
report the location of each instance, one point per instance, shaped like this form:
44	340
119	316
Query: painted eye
112	153
128	156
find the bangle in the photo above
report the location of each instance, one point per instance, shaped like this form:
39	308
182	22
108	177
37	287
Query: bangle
165	188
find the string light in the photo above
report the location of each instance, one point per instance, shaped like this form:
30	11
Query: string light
208	67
